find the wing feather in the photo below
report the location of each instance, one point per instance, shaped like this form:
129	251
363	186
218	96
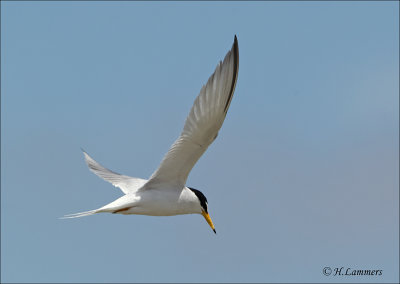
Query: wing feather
202	124
125	183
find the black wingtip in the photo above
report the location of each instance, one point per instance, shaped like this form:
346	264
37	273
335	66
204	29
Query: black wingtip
235	51
236	45
215	231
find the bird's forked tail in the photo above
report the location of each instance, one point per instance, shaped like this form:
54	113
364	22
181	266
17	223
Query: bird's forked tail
80	214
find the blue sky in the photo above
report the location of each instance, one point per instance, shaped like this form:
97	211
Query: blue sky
303	175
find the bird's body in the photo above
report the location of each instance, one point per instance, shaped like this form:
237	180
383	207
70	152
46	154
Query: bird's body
165	192
156	202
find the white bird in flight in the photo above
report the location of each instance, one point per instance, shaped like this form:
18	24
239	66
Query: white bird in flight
165	193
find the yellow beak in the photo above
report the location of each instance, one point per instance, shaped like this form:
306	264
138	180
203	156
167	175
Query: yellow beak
208	219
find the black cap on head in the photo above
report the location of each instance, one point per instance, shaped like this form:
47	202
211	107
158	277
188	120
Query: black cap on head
201	197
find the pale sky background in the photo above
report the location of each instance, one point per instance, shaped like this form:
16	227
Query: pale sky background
303	175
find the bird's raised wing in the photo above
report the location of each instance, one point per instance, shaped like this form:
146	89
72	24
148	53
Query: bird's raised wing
125	183
202	124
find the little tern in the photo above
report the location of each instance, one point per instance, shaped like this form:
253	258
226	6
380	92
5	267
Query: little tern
165	193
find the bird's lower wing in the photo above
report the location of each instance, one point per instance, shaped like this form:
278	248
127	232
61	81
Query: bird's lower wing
202	124
125	183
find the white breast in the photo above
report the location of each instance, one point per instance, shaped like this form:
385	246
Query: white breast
165	202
